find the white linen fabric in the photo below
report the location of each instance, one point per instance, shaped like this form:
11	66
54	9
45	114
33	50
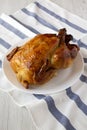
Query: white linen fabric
66	110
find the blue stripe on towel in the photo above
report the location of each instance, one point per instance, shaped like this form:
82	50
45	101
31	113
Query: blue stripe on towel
39	96
85	60
0	63
39	19
26	26
4	43
12	29
81	44
83	78
55	112
61	18
78	101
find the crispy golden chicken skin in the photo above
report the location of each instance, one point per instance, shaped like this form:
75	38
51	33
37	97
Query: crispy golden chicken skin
39	58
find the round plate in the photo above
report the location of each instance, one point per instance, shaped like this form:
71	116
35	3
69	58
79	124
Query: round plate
64	79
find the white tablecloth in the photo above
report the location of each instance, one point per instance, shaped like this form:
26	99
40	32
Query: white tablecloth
66	110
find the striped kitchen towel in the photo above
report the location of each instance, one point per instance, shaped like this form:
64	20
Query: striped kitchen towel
66	110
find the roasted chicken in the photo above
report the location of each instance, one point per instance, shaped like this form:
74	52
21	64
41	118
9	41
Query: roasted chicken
38	59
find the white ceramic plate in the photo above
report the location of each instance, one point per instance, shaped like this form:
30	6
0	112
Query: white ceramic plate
64	79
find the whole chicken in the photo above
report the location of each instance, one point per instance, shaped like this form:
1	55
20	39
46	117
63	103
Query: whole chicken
38	59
